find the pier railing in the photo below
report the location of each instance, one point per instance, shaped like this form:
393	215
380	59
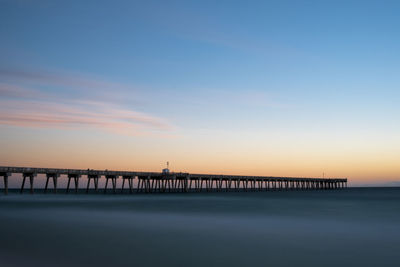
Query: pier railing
150	182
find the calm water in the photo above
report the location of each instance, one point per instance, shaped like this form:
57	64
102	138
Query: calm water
352	227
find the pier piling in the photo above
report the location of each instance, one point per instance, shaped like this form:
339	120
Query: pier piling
54	177
5	181
75	177
31	177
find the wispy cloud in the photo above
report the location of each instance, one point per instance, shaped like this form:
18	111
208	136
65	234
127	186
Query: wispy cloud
24	103
64	82
9	90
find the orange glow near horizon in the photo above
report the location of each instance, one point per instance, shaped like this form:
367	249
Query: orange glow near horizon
219	157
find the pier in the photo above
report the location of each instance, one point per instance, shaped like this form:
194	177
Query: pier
161	182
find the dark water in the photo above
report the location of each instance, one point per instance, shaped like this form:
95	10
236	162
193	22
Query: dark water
351	227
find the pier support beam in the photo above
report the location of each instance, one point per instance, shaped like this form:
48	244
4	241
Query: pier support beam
31	177
95	178
113	181
144	184
130	183
54	177
139	184
76	181
5	180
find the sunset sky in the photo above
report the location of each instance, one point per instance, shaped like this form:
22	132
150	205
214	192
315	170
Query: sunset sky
280	88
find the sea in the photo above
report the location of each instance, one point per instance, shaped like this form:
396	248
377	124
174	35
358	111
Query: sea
346	227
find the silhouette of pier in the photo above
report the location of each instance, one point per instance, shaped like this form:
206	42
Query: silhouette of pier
152	182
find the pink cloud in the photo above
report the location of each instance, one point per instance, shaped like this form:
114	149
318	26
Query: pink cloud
23	104
107	117
9	90
66	83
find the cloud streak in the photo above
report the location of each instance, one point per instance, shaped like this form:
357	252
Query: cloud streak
9	90
24	104
69	80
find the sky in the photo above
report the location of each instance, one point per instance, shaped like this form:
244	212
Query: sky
274	88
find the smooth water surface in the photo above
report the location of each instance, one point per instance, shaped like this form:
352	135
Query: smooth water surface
349	227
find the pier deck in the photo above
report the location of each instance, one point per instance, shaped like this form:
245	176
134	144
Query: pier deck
150	182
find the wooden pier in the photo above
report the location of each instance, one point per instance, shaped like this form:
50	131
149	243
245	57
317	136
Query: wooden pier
152	182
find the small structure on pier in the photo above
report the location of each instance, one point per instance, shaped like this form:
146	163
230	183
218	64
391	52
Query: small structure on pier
166	170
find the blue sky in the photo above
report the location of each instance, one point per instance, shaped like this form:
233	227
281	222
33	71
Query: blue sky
190	75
